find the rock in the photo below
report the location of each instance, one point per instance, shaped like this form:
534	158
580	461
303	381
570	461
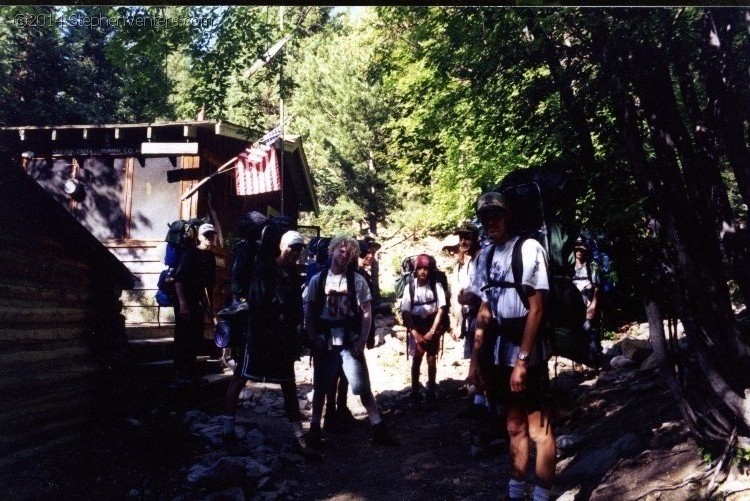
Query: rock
231	494
637	350
652	362
629	445
134	493
226	472
622	362
592	464
567	442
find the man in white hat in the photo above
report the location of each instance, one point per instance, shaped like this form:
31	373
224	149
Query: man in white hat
273	340
194	282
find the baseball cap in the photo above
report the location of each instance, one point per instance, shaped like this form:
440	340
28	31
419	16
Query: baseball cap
491	201
206	228
291	238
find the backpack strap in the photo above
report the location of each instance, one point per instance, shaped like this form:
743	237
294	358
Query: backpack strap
516	268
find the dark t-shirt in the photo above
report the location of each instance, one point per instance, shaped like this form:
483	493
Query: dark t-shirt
196	272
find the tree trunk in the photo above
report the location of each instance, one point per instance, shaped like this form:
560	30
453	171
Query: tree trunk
691	251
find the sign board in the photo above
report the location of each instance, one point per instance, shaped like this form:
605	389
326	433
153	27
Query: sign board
189	148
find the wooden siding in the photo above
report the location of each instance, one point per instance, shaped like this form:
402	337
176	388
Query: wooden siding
60	329
145	262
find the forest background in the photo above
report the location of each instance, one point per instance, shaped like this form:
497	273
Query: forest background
409	113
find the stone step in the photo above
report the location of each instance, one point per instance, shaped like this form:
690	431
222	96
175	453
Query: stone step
150	350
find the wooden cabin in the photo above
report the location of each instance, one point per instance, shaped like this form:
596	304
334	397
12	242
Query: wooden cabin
62	333
126	182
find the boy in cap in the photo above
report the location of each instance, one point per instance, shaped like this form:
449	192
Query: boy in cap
272	342
516	311
422	307
194	282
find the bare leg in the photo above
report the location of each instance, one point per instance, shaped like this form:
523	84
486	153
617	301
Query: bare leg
518	429
540	431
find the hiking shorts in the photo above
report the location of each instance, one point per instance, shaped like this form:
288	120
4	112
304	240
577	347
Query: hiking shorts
423	326
537	395
327	366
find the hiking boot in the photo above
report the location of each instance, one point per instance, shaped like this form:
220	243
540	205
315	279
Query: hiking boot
310	455
313	439
381	436
344	416
416	396
331	422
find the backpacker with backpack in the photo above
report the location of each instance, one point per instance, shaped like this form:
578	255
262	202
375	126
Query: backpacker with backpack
526	192
181	235
407	282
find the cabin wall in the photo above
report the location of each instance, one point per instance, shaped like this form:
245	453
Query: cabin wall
62	345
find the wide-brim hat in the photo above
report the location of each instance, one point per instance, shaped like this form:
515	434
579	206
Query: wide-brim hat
374	245
466	228
490	202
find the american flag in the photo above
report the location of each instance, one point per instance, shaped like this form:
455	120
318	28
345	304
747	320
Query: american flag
272	135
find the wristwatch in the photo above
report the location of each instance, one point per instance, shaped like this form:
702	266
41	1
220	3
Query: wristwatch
522	356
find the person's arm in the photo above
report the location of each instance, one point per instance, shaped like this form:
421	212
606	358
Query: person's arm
484	317
182	302
441	306
364	331
530	335
317	342
591	309
209	292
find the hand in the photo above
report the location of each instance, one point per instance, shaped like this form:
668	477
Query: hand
184	311
590	313
456	333
475	377
518	377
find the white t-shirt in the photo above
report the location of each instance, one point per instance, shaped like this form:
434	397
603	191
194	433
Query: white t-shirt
505	301
584	284
337	300
429	304
461	278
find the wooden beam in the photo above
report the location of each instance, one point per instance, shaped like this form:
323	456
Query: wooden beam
189	131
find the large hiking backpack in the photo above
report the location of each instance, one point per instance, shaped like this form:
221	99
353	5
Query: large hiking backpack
565	312
406	281
181	235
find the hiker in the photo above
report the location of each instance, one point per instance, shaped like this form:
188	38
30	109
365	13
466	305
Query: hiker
273	339
371	262
465	306
524	387
422	309
337	319
194	280
586	279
